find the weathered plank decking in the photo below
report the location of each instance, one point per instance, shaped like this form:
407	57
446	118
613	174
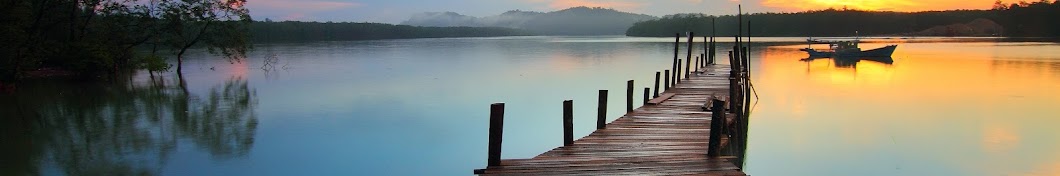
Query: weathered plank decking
668	137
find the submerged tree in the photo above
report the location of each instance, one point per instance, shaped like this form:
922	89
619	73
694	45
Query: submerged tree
97	37
219	25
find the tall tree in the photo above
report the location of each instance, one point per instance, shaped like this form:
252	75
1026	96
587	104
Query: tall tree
219	25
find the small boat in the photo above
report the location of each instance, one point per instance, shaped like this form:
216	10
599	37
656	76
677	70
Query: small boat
847	48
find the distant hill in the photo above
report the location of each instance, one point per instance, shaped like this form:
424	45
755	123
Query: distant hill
572	21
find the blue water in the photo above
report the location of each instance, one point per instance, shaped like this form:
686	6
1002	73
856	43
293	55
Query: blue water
420	107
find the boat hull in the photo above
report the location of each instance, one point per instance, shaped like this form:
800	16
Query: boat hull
878	52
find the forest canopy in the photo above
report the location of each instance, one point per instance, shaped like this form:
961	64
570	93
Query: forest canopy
1018	20
296	31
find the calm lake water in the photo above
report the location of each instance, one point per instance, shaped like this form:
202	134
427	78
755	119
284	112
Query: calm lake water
419	107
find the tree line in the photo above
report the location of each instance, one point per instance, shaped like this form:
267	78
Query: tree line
297	31
1021	19
106	37
1028	19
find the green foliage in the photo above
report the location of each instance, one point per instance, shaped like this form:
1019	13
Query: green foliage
219	25
294	31
96	37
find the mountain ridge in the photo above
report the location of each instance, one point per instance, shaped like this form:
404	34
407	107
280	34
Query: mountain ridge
580	20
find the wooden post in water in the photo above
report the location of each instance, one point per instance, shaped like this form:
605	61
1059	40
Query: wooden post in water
703	55
667	79
713	43
656	94
703	59
629	96
717	124
601	110
705	46
710	51
697	63
677	45
496	134
732	79
677	74
647	94
688	57
568	122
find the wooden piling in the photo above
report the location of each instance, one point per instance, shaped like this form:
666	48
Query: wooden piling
717	123
706	44
677	46
733	85
495	134
656	94
629	96
568	122
667	79
688	57
601	110
697	63
703	59
647	96
710	52
677	74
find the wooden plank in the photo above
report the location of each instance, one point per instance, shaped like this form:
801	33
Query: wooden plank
661	98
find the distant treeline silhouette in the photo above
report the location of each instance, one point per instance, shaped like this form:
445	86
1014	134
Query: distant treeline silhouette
1029	19
296	31
1019	19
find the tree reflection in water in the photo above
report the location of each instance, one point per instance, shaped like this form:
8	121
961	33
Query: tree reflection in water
121	128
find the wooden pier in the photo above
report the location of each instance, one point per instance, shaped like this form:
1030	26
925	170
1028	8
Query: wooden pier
697	126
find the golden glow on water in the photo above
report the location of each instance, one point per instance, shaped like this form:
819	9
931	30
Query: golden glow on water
938	109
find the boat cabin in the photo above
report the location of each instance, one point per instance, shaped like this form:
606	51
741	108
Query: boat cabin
841	46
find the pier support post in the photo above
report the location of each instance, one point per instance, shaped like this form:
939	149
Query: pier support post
495	134
697	63
703	56
677	74
703	60
667	79
710	52
601	110
629	96
717	126
677	46
688	57
568	122
656	94
647	95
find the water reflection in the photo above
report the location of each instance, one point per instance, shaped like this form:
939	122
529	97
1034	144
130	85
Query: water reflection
851	62
125	128
934	109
